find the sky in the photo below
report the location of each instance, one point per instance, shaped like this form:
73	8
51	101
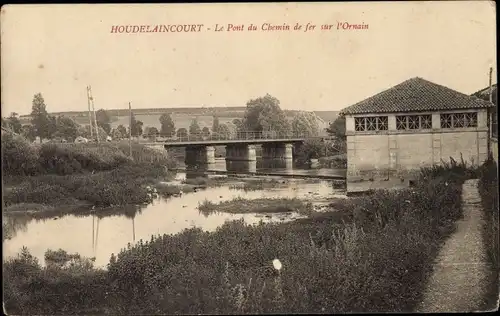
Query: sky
58	50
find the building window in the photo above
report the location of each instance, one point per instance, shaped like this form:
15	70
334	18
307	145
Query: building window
371	123
407	122
459	120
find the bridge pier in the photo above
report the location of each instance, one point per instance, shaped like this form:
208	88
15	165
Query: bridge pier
277	155
241	158
200	157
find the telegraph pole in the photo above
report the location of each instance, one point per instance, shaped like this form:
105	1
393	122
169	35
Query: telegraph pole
90	113
91	98
130	129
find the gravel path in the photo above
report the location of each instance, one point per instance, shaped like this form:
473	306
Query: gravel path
460	273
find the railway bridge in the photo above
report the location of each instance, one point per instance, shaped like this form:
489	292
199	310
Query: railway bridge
277	149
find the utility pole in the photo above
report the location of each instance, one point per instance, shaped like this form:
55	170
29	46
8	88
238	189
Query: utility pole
493	116
130	129
90	113
91	98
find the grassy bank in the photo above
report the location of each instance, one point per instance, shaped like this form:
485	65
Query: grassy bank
240	205
488	189
78	174
373	256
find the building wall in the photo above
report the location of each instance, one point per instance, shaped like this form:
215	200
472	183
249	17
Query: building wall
401	152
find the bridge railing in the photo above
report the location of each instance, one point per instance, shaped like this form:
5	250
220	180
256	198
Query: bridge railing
241	135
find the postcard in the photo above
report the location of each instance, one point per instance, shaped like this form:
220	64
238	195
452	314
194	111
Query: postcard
249	158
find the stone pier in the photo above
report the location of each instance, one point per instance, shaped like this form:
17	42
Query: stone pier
241	158
277	155
200	157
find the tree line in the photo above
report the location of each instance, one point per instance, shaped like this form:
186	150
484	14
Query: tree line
262	114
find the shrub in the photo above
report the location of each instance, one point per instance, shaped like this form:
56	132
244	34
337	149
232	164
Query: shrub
488	189
19	157
373	256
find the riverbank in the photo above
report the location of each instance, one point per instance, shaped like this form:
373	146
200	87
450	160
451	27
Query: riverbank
99	175
375	255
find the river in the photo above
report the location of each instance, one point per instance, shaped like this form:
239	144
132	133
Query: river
99	237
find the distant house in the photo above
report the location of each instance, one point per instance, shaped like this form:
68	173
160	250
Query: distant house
81	139
414	124
486	94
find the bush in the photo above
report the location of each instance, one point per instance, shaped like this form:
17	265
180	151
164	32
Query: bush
19	157
373	256
488	189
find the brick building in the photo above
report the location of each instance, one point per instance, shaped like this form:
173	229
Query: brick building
413	124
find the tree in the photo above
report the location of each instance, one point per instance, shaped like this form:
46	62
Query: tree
182	132
28	131
136	126
205	132
66	128
305	123
223	132
310	149
40	119
265	115
215	124
121	130
194	128
13	123
337	128
152	131
238	123
167	125
103	120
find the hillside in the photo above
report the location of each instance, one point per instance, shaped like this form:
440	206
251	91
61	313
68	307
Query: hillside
181	116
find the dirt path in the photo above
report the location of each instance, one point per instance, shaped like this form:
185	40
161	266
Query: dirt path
459	279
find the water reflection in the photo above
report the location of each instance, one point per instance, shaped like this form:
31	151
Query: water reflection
112	229
275	166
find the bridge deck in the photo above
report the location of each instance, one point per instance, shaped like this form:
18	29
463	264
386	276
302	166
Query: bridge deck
225	142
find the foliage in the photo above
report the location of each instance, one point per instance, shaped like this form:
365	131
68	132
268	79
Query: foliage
238	123
239	206
13	123
264	114
373	255
28	131
194	128
311	149
205	132
18	156
43	123
119	132
152	131
103	120
488	189
182	132
335	162
305	123
215	124
223	132
337	128
66	128
167	125
136	126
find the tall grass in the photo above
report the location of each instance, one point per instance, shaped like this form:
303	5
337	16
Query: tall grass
488	189
22	158
97	174
240	205
373	256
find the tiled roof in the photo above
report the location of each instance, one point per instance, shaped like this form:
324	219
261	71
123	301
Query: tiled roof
413	95
484	93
